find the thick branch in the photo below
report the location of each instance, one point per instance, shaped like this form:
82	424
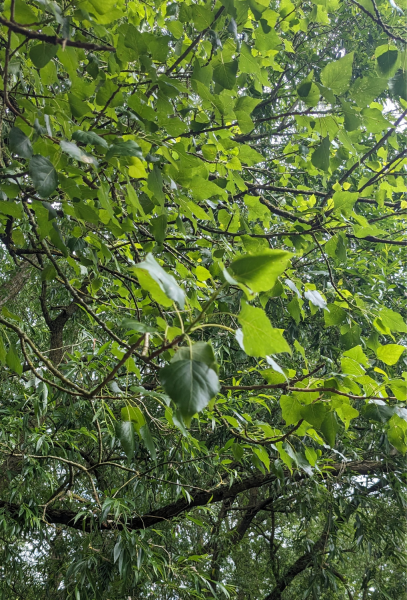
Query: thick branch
170	511
51	39
295	569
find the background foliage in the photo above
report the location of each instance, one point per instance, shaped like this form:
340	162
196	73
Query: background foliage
203	299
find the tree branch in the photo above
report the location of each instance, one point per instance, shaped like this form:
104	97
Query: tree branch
50	39
203	498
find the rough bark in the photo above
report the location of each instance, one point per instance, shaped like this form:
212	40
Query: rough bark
9	290
56	326
302	563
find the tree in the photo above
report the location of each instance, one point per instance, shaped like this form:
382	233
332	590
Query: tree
203	300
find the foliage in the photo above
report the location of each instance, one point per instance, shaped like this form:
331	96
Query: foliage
203	301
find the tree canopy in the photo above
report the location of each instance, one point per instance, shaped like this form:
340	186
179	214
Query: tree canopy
203	303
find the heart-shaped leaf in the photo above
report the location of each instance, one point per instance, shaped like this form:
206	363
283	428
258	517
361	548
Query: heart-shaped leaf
190	385
390	353
257	337
201	352
260	271
42	53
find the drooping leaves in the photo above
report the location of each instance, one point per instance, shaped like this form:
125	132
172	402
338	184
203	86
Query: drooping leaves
125	433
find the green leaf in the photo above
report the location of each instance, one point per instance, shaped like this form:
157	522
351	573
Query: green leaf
13	361
294	308
190	385
85	212
337	75
398	84
78	108
309	93
329	428
247	62
155	184
134	414
109	94
42	53
246	104
316	299
125	433
397	433
394	321
366	89
357	354
387	63
335	316
314	414
263	456
320	157
124	148
175	126
346	413
151	286
166	282
399	389
202	16
23	13
133	201
258	337
176	28
311	456
238	451
3	351
378	410
43	174
260	271
249	156
148	440
291	409
352	121
131	324
374	120
345	201
13	209
57	239
89	137
77	153
49	273
390	353
159	228
225	74
200	351
19	143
